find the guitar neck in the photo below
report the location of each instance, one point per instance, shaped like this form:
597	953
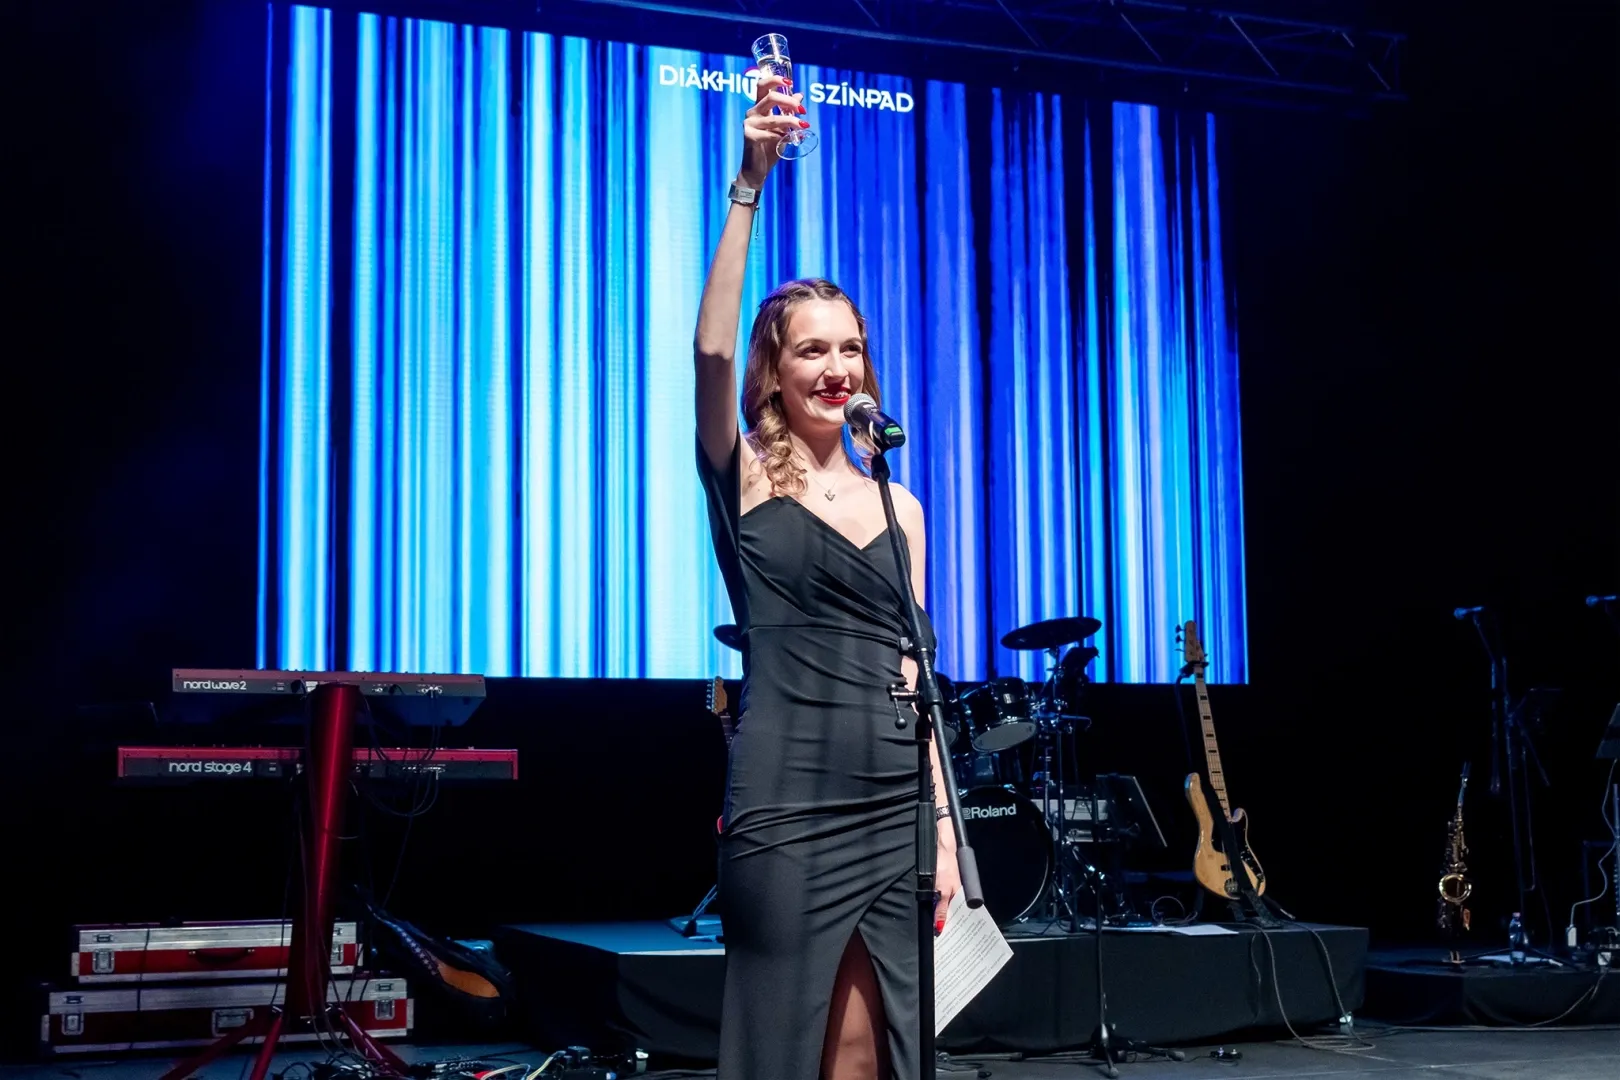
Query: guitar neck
1212	753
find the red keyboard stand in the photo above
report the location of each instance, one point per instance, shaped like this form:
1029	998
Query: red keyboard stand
333	707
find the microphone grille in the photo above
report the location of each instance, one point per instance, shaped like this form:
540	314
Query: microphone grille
853	407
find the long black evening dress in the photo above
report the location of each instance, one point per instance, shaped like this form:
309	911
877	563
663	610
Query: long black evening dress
819	837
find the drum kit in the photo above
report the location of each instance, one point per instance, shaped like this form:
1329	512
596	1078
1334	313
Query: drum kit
1038	831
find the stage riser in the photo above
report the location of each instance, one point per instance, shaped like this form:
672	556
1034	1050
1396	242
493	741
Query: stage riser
1414	988
1167	988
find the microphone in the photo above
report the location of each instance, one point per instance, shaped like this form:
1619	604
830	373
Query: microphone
1466	612
1601	601
863	414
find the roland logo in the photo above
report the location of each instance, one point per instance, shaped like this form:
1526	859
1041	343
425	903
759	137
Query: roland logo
213	684
988	811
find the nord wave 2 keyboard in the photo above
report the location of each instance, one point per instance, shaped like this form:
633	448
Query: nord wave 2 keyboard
210	695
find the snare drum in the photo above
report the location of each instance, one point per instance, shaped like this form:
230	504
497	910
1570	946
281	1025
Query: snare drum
997	715
1013	845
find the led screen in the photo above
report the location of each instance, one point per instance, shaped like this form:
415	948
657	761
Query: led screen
483	256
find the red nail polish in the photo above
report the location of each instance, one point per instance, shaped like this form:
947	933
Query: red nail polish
939	925
804	123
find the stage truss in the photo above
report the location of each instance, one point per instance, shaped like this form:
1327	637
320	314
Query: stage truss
1309	54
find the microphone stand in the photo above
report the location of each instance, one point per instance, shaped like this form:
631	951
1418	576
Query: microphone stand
1506	747
1609	605
931	706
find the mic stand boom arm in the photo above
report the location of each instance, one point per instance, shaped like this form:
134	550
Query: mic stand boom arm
931	707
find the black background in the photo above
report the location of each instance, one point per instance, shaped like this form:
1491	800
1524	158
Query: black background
1425	300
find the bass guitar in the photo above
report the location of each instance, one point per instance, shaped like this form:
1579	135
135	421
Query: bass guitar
718	704
1217	839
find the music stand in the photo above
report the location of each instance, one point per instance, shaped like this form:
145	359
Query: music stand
1130	806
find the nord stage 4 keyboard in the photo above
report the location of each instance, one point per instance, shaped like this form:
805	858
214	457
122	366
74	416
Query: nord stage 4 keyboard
209	695
187	764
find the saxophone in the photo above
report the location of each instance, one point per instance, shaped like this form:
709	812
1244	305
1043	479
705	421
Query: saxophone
1455	888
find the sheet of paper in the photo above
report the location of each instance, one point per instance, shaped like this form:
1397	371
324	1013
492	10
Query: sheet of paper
967	955
1201	929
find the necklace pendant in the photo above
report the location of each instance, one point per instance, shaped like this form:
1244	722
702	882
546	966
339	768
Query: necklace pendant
831	495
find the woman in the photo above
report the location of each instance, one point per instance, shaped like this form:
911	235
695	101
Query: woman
818	858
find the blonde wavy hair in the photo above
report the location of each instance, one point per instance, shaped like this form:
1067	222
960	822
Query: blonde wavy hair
767	426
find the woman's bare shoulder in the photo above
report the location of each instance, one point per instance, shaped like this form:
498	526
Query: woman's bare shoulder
906	505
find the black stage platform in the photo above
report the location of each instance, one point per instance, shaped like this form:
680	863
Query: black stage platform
1416	987
643	985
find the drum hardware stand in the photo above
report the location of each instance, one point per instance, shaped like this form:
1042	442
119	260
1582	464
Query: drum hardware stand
1053	722
1061	901
930	705
1098	878
1129	819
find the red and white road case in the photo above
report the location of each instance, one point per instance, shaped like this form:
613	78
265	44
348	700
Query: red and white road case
113	1019
194	951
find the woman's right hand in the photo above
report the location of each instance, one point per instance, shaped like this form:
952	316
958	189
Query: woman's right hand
763	129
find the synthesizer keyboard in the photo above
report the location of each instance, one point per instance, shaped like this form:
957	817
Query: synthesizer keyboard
189	764
209	695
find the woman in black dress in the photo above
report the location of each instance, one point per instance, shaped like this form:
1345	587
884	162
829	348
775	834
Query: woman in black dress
818	859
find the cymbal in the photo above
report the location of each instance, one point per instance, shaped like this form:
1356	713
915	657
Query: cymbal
729	635
1051	633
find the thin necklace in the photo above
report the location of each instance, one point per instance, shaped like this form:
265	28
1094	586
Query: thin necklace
826	491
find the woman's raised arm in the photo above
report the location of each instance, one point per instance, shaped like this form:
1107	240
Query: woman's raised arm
715	343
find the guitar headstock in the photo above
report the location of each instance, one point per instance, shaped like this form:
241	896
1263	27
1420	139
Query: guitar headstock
1193	659
717	702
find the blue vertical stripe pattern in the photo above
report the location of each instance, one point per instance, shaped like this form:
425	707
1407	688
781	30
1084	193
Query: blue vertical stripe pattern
1033	537
304	423
1093	474
266	367
1222	602
951	385
1174	467
532	218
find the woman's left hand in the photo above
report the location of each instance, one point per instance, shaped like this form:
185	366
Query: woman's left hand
947	878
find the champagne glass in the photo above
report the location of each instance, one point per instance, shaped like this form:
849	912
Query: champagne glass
771	58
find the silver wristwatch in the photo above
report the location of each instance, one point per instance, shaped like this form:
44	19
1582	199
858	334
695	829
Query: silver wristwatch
747	196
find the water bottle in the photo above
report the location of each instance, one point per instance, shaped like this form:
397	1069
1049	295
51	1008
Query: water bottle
1516	939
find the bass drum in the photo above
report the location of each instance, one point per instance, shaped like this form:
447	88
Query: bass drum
1013	844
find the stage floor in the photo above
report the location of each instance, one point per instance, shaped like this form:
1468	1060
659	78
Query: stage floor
642	984
1393	1054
